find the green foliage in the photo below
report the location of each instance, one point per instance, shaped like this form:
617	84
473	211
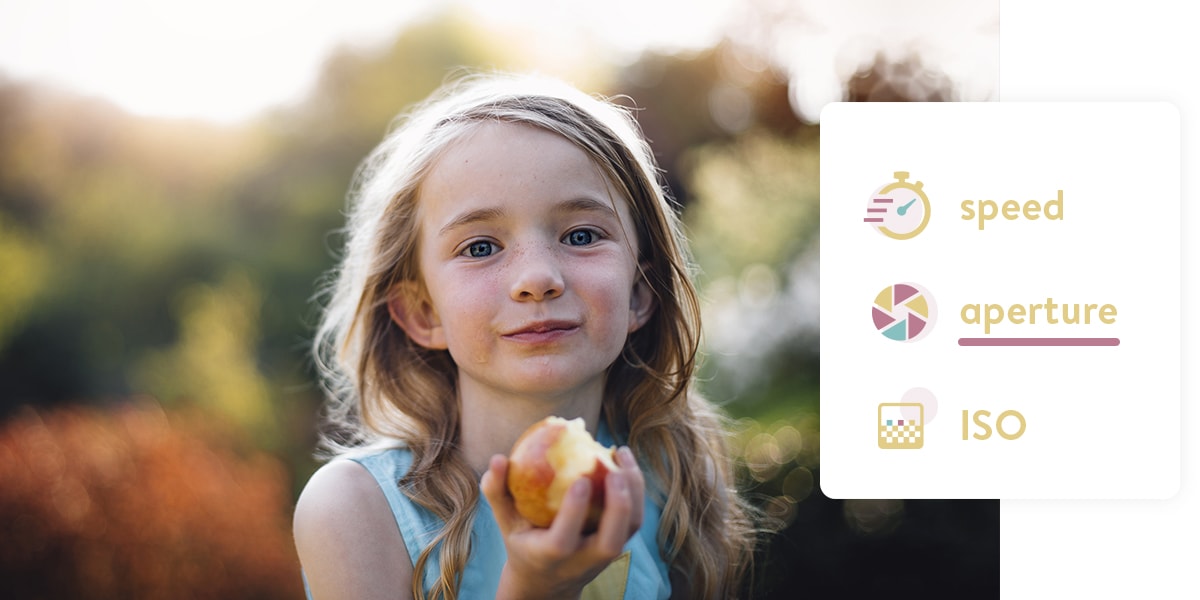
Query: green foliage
360	92
756	202
23	265
214	364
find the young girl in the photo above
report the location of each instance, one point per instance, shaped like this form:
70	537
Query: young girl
512	255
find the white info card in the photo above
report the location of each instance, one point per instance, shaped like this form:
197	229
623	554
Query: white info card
1000	300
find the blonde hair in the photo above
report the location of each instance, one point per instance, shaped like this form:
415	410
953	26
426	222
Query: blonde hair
383	386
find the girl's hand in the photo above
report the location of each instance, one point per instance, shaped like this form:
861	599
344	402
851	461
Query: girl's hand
559	561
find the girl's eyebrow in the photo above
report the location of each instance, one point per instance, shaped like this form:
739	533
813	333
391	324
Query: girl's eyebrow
474	216
582	204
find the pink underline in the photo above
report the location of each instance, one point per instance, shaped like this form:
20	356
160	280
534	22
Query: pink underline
1039	341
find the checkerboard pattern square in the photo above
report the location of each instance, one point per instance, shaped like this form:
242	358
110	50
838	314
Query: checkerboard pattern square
901	433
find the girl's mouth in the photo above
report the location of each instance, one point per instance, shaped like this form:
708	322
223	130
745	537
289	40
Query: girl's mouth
542	331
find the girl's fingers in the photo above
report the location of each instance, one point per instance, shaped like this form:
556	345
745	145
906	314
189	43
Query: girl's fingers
637	486
493	482
615	523
566	529
621	518
494	488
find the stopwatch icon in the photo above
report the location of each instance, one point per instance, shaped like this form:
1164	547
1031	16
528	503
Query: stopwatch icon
899	210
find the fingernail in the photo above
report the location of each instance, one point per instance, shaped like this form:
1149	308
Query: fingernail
626	455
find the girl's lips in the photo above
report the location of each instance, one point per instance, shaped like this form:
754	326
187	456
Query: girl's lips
542	332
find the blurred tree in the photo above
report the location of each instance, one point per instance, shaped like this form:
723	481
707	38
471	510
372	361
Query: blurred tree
756	202
22	276
904	80
214	362
361	91
706	97
124	210
754	227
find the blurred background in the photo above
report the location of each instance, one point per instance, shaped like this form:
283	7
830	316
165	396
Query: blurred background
171	185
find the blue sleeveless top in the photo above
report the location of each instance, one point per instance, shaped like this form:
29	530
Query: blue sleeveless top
639	573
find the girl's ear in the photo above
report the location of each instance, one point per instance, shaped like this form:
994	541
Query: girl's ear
641	302
410	309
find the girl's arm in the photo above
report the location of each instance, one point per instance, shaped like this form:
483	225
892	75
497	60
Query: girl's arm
347	538
559	561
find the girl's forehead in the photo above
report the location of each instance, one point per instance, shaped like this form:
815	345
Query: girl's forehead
495	162
484	137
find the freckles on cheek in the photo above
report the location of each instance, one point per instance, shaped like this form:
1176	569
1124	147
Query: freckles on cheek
468	335
469	348
479	353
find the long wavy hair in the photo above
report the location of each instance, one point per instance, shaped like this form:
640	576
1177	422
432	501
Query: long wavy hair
383	388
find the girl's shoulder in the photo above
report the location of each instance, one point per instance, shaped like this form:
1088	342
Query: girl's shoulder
350	477
338	488
343	524
359	480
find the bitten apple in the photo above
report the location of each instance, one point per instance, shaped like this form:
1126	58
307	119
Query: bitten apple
547	459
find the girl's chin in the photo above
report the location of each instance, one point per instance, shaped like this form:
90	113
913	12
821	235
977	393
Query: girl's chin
550	387
550	377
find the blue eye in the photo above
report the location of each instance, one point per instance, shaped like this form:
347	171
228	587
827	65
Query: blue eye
581	237
480	249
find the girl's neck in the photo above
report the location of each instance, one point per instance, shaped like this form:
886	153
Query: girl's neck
491	423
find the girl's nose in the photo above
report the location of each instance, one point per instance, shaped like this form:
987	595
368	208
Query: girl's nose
538	276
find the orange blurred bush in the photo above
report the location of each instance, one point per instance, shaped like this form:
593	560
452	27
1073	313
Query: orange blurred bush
135	503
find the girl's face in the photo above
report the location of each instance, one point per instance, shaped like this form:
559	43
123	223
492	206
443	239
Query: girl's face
529	264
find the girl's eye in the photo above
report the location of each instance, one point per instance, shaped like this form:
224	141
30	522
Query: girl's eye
480	249
581	237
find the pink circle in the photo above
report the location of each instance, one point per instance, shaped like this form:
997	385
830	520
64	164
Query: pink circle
923	397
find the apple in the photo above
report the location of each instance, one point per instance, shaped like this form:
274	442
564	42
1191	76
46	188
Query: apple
547	459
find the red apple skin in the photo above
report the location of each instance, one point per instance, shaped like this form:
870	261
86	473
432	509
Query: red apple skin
530	475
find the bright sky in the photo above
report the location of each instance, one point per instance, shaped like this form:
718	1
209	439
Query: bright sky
182	58
225	60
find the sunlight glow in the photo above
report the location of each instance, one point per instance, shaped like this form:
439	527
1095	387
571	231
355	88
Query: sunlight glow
228	60
220	59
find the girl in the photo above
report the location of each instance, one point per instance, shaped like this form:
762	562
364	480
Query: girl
512	255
